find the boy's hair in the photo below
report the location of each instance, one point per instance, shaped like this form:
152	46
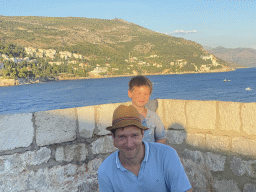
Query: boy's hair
139	81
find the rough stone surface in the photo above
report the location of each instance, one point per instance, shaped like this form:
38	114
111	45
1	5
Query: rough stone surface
229	116
195	156
215	162
218	142
244	146
11	165
86	121
16	131
249	187
37	157
224	186
176	137
94	165
103	145
55	126
174	114
248	113
197	140
201	114
69	153
240	167
104	117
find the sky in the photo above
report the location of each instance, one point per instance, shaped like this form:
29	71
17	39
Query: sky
211	23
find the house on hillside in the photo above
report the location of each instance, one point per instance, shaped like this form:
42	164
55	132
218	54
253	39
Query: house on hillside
77	56
98	70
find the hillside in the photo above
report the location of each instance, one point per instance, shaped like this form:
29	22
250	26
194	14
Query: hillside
108	47
242	56
94	36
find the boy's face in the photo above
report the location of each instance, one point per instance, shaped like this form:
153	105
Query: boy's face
139	95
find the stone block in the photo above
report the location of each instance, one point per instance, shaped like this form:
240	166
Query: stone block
94	165
104	117
16	131
55	126
248	114
244	146
196	156
176	137
69	153
37	157
217	142
215	162
225	185
103	145
240	167
249	187
86	121
175	114
229	116
11	164
38	181
196	140
201	114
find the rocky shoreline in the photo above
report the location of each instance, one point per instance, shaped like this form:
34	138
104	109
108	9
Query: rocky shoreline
24	81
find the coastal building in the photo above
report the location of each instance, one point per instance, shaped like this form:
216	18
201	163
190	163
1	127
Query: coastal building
65	54
56	63
98	70
77	56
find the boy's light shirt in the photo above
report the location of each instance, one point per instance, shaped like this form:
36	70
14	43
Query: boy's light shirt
156	128
164	173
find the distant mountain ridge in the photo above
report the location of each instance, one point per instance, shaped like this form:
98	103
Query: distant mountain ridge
242	56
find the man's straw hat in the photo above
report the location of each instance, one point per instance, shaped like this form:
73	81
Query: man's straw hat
126	116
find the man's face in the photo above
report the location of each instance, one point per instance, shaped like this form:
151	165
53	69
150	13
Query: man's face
139	95
129	142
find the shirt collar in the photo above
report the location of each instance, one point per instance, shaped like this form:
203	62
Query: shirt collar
120	166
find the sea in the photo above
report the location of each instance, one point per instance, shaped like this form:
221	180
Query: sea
235	86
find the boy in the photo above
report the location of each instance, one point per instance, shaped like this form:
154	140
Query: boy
140	89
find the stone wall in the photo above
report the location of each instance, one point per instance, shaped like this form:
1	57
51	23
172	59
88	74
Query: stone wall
61	150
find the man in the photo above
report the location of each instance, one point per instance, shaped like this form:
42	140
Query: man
139	166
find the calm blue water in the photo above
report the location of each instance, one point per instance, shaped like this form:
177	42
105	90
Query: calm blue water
78	93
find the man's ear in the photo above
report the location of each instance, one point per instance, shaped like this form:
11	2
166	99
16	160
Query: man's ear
142	133
129	93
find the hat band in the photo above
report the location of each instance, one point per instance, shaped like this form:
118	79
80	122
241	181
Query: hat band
125	119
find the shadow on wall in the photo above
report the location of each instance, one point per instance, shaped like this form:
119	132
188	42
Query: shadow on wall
209	169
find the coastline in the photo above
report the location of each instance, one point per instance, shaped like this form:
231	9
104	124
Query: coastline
14	82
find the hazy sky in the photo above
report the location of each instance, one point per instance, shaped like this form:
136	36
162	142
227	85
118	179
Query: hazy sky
228	23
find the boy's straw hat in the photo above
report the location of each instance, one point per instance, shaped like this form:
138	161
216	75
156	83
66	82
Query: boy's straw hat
126	116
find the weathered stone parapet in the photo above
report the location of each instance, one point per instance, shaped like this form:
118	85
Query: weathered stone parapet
55	126
61	150
16	131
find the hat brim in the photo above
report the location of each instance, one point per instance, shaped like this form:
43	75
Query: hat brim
127	123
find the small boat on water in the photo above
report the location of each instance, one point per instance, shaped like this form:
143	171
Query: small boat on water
225	80
248	89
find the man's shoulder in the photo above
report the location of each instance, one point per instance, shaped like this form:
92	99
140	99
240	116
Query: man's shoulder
160	148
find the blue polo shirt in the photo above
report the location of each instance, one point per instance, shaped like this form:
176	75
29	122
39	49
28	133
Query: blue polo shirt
161	170
156	128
